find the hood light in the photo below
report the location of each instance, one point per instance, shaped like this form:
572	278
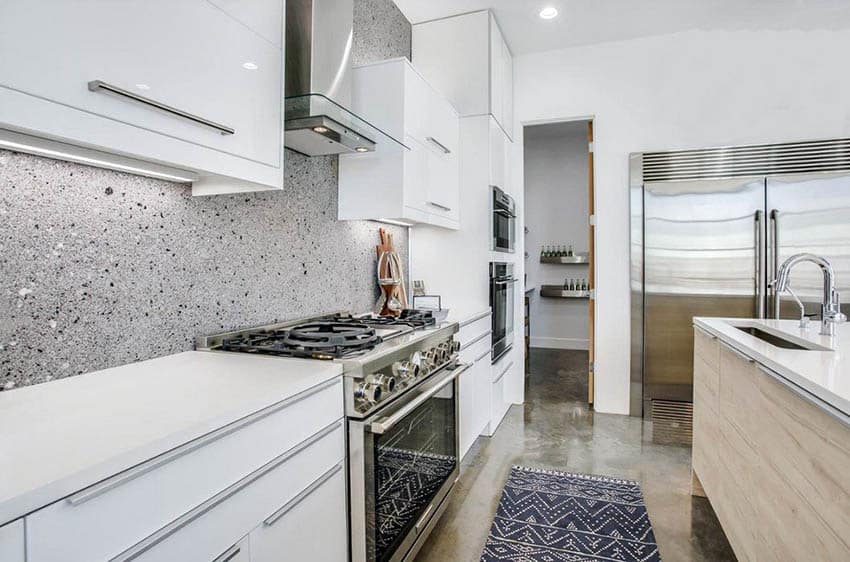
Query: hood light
320	130
361	149
250	65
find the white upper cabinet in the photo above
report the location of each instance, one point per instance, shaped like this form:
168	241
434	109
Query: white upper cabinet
12	541
419	185
467	59
195	84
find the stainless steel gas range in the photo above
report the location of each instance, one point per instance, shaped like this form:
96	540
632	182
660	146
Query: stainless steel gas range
401	405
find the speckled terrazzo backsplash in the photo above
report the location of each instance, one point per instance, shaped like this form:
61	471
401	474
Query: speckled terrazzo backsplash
101	268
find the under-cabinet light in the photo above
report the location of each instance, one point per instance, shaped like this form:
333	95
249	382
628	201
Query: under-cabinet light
549	13
395	222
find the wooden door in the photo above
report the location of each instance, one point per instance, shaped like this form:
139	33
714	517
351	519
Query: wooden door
591	263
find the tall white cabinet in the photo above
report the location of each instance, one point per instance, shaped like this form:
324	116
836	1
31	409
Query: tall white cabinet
467	58
195	85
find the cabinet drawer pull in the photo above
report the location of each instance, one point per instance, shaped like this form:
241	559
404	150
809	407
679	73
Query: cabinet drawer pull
96	85
439	206
149	542
483	355
505	372
439	145
229	555
165	458
290	505
476	340
740	355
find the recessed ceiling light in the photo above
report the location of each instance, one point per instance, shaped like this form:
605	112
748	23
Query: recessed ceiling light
143	86
321	130
361	149
250	65
549	13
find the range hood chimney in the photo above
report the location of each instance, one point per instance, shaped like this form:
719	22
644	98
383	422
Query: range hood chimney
318	119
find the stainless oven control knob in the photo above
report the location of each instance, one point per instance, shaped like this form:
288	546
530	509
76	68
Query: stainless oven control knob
405	369
444	349
455	346
385	382
368	392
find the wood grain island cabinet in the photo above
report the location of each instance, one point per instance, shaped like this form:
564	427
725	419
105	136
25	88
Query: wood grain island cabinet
774	465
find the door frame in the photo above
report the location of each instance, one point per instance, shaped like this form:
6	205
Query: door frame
591	269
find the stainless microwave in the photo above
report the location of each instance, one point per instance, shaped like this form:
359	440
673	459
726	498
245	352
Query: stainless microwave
503	221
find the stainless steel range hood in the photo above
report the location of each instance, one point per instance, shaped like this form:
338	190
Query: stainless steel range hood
318	121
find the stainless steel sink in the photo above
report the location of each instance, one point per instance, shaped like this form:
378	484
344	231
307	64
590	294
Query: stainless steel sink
781	341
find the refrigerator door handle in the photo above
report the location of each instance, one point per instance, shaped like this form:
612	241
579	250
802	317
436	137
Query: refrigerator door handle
774	249
760	263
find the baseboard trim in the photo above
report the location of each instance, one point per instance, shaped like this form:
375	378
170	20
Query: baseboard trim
561	343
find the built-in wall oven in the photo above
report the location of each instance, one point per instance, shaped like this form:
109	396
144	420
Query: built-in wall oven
502	283
403	462
504	221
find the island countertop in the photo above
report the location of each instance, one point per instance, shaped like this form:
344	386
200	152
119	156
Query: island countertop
62	436
823	373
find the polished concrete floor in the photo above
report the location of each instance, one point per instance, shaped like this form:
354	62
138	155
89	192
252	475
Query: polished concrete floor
555	429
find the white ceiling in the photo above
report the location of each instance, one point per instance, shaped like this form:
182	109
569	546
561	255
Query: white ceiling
583	22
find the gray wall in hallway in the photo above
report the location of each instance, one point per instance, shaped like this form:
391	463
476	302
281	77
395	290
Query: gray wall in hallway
100	268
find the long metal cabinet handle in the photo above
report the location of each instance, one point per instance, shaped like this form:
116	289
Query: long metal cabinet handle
774	244
483	355
807	396
469	344
383	425
96	85
760	264
504	213
302	495
229	555
146	544
440	206
505	372
172	455
439	145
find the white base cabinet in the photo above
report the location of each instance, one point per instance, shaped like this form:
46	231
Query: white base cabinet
499	402
475	384
419	185
12	541
189	84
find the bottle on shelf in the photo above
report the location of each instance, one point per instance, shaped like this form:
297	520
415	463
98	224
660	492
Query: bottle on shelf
570	251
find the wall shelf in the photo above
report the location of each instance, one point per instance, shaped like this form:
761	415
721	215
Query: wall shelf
558	292
579	259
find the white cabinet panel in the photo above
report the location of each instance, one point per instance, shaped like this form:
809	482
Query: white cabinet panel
499	403
313	529
187	56
498	157
420	185
497	72
508	94
85	528
12	541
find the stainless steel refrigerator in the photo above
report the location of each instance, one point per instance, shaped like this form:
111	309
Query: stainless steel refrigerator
709	231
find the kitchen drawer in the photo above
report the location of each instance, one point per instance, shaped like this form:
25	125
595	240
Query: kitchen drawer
499	404
476	348
313	525
208	530
12	541
109	517
707	347
187	55
473	330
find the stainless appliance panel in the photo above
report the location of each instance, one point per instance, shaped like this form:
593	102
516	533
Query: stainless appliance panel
503	222
808	214
502	298
701	257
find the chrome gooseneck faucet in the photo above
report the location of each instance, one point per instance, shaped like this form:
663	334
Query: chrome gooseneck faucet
831	305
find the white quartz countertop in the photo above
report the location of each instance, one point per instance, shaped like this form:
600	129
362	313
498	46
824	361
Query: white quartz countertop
824	373
60	437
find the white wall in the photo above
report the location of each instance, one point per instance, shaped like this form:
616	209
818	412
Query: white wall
687	90
556	211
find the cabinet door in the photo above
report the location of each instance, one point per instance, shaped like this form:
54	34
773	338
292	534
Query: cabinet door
467	406
313	529
12	541
416	174
507	91
483	391
443	140
498	156
187	55
497	73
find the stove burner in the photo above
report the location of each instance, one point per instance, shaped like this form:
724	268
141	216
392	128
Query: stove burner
316	340
416	319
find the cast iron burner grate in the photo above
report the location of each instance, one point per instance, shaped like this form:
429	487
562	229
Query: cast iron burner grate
315	340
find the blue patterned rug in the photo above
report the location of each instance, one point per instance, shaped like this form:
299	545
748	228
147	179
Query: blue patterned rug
550	516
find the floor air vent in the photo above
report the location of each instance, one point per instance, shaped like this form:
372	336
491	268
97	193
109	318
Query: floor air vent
672	422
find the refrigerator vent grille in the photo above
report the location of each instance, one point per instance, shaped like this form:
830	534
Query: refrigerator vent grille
745	161
672	422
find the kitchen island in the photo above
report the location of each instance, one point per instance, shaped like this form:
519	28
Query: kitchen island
771	446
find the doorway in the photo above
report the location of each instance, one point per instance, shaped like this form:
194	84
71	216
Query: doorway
559	243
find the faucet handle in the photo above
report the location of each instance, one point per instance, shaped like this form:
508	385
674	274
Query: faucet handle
837	316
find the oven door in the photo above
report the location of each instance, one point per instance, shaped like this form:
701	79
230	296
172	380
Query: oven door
503	230
403	461
502	305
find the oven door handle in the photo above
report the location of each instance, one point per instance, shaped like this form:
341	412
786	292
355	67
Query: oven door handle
381	426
